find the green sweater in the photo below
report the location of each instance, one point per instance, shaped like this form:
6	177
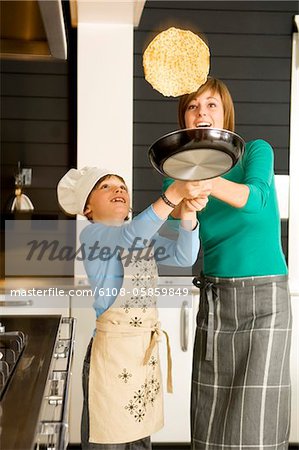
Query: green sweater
243	242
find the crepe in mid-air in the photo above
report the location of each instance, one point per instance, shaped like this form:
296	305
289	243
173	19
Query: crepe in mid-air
176	62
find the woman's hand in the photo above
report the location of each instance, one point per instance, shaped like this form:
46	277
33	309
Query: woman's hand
195	196
194	204
179	190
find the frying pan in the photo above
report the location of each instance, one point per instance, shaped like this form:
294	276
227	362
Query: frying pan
196	153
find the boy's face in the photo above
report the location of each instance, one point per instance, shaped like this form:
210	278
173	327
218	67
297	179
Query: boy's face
109	202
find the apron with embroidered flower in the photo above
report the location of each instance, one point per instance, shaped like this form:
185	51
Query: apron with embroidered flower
125	388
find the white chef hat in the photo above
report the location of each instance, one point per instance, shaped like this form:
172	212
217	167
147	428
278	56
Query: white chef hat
75	186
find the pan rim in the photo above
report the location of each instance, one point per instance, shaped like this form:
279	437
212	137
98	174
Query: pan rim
234	140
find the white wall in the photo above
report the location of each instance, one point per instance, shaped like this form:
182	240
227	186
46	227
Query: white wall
294	235
105	88
294	169
105	97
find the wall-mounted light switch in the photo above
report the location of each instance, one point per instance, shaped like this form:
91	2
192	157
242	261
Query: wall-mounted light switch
26	177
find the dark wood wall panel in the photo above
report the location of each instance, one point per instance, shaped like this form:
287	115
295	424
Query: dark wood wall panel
252	69
35	85
38	128
47	131
255	5
199	17
140	158
35	129
258	91
37	153
250	45
139	195
39	108
42	67
227	44
241	68
150	179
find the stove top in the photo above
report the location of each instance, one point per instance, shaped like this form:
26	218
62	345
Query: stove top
12	344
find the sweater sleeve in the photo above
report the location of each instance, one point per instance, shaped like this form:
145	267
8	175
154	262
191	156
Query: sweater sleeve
258	165
141	228
181	252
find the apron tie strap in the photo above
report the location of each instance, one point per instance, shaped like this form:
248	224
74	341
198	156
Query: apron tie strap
169	365
156	337
211	294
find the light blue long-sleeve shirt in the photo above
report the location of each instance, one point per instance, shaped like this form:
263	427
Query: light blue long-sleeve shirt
103	244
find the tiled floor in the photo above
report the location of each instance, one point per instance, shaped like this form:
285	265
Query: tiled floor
174	447
186	447
171	447
155	447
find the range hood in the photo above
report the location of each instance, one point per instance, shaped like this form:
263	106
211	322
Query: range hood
32	29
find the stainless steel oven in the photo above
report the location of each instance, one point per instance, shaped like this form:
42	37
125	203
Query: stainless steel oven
35	397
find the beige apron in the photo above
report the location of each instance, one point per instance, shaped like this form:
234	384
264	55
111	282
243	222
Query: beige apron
125	387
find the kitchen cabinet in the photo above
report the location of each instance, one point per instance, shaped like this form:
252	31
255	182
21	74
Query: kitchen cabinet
176	313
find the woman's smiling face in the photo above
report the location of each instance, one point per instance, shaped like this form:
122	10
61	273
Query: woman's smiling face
205	110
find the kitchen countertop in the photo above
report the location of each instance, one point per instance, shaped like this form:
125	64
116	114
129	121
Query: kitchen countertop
70	283
22	399
29	283
78	283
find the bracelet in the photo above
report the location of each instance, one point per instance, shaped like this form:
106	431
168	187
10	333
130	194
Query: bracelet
168	202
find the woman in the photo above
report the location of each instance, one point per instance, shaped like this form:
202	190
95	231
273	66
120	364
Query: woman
123	402
240	381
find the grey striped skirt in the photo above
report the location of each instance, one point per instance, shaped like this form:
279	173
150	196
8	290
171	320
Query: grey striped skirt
241	380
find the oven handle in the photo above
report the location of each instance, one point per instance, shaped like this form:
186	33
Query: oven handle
14	303
72	322
184	326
